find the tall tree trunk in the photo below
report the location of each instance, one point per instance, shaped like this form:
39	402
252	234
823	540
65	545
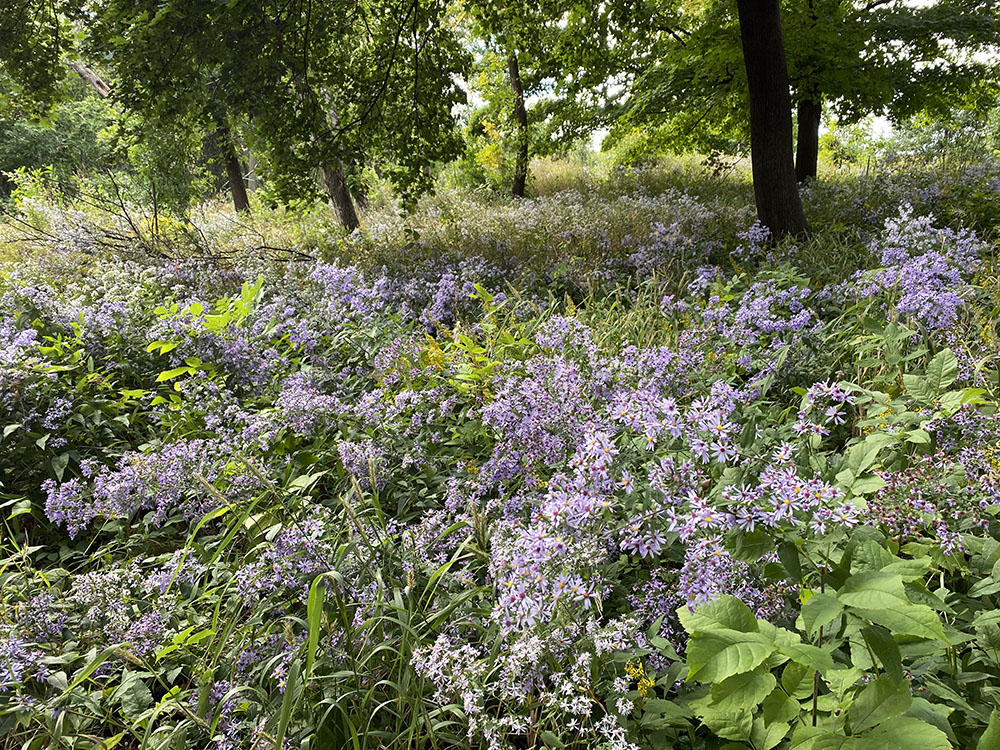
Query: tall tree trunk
521	120
333	174
775	190
234	172
340	196
807	147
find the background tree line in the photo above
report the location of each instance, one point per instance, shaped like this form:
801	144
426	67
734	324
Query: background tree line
308	99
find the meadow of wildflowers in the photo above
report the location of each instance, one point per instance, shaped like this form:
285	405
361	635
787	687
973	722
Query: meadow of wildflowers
600	469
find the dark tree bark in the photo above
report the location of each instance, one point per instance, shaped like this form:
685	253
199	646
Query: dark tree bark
807	147
234	171
333	174
521	120
340	197
775	190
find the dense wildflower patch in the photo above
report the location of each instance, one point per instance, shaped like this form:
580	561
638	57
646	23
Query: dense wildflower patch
698	497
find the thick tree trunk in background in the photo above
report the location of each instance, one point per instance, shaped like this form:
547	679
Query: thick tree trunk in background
234	172
775	190
333	175
807	148
340	197
521	120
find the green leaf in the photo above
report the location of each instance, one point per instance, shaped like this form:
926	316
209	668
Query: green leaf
863	455
886	649
908	619
765	736
867	484
551	740
135	697
918	387
95	662
818	610
909	569
809	656
873	590
287	702
881	700
906	733
991	737
314	613
716	655
788	553
797	680
171	374
59	464
742	692
942	370
933	713
918	436
725	613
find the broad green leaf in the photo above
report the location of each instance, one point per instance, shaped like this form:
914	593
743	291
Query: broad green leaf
942	370
135	697
171	374
819	610
809	656
884	646
990	739
873	590
726	612
919	388
867	484
881	700
765	736
550	739
933	713
727	724
742	692
909	569
788	554
797	680
716	655
906	733
907	619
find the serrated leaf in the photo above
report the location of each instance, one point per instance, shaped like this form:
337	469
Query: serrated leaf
906	733
797	680
809	656
873	590
907	619
886	649
819	610
942	370
881	700
726	613
742	692
716	655
918	387
765	736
